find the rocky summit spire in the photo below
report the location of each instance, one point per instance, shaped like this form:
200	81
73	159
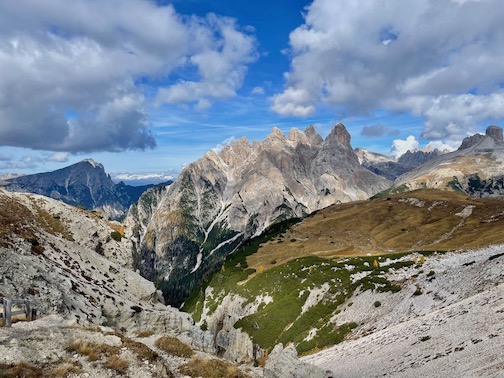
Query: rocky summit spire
313	136
495	132
341	134
277	132
297	136
93	163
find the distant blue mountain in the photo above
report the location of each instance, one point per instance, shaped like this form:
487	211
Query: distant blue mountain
82	184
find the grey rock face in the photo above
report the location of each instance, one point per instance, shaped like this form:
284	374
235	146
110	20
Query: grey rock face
313	136
283	363
220	200
64	274
471	141
495	132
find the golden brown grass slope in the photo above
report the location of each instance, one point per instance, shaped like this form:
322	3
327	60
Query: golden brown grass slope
424	219
18	219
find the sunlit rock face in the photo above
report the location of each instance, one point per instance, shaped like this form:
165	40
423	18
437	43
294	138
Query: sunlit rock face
476	168
185	231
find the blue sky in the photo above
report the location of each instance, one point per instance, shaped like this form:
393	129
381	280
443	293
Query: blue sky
147	87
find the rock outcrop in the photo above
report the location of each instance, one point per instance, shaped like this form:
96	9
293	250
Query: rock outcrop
283	363
48	255
56	347
471	141
495	132
222	199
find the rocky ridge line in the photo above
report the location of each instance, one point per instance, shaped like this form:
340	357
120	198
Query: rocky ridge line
222	199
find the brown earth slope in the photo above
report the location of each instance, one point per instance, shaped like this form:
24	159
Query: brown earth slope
425	219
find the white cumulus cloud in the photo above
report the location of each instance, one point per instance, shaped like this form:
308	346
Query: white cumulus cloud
440	60
81	73
401	146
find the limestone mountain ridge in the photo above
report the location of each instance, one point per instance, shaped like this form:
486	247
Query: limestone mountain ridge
186	230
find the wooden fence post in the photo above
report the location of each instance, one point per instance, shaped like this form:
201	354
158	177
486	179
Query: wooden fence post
28	312
7	312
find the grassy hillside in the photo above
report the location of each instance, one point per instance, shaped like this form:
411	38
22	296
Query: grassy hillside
298	298
300	276
424	219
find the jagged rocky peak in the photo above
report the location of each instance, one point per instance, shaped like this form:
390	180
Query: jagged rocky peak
340	134
93	163
296	136
313	136
418	157
236	152
211	155
369	157
276	132
275	140
495	132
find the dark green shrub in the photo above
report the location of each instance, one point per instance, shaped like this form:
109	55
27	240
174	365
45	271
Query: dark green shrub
116	235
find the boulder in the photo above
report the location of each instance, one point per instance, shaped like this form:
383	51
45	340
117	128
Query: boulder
283	363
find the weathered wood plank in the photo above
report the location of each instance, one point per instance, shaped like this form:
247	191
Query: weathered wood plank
28	311
19	301
7	312
33	314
